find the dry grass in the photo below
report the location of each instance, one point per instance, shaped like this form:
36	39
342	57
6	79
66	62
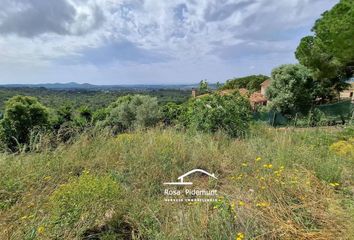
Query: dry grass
298	189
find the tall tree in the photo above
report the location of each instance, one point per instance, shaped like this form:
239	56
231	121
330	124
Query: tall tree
329	54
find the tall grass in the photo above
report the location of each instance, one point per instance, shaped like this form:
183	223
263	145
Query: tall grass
274	184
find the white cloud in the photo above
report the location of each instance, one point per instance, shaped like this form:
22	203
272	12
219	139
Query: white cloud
184	30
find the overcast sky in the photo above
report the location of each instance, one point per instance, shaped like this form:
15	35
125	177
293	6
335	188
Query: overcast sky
149	41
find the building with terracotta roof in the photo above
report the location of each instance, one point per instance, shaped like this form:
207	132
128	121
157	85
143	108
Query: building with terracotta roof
264	86
256	98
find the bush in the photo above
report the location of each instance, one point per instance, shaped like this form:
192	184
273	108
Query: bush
230	114
99	115
83	203
171	113
291	89
132	112
22	115
85	113
344	148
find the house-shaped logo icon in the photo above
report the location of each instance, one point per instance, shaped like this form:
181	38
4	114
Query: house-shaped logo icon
181	178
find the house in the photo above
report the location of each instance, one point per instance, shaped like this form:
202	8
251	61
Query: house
256	98
194	93
348	93
264	86
259	98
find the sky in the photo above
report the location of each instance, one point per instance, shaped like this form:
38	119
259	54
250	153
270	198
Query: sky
149	41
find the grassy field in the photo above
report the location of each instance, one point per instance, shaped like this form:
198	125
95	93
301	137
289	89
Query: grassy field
273	184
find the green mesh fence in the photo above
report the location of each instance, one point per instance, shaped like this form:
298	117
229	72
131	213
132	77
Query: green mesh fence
340	112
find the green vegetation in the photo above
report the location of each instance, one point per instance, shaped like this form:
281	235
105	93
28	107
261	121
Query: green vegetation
203	87
211	113
91	164
291	89
22	115
251	83
273	184
132	112
329	53
81	204
94	100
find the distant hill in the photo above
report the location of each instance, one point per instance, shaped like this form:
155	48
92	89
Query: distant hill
87	86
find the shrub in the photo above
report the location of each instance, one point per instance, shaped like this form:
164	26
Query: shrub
291	89
83	203
213	113
85	113
171	113
344	148
64	114
132	112
99	115
22	115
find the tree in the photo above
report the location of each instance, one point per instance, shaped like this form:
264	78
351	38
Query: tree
203	86
22	115
329	54
336	32
251	83
230	114
132	112
291	89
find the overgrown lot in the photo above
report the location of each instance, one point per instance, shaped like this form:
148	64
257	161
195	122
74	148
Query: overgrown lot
273	184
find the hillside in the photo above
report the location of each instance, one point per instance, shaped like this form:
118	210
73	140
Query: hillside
273	184
93	98
93	87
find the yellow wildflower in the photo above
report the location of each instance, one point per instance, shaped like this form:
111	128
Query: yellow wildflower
268	166
334	184
47	177
240	236
241	203
343	148
40	229
244	165
278	172
258	159
263	204
239	177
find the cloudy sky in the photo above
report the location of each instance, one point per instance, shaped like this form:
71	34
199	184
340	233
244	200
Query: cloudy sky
149	41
